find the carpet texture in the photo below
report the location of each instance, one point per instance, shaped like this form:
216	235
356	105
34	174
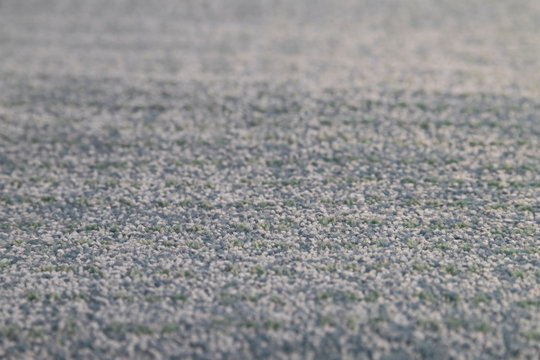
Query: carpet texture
270	179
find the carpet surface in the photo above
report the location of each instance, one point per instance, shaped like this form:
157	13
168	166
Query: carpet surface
272	179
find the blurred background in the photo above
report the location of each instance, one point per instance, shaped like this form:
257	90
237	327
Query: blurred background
447	45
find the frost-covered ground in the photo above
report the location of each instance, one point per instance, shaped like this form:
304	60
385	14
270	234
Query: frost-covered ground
269	179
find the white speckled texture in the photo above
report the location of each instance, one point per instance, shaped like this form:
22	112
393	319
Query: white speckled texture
269	179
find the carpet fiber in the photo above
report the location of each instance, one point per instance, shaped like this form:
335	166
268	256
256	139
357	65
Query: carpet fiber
273	179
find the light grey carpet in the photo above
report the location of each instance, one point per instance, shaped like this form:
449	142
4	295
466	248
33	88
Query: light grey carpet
269	179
